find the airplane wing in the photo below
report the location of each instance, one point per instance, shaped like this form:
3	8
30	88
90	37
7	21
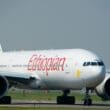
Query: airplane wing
15	78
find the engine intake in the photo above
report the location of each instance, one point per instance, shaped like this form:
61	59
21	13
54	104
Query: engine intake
107	87
103	90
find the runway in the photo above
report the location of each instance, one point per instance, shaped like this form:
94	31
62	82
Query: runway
26	103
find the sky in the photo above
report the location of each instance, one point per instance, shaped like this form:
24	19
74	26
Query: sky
56	24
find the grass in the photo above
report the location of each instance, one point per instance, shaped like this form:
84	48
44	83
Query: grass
51	95
50	108
43	95
30	95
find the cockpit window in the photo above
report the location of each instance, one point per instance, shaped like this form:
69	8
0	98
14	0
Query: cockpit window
93	63
86	64
100	63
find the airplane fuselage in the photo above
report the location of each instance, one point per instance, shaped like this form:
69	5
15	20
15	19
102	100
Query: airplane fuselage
54	69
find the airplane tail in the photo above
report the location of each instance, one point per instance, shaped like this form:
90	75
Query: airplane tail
1	49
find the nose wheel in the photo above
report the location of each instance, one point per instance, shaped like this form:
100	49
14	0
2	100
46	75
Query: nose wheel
87	98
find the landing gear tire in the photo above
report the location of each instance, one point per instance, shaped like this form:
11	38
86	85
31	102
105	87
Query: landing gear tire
88	102
66	100
5	100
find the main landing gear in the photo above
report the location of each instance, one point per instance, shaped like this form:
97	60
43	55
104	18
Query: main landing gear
5	100
65	99
87	98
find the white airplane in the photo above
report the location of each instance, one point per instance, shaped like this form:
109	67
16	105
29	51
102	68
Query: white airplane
64	70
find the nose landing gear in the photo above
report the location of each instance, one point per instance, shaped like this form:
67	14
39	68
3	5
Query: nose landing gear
87	98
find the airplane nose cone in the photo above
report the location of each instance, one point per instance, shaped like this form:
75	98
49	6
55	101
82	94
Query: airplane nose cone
99	74
96	77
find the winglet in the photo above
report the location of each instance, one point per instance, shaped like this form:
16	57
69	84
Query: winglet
1	49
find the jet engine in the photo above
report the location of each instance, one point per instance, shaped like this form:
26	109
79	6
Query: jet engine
3	86
103	90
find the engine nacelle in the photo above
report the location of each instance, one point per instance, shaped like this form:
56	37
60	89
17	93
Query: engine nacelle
3	86
103	90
